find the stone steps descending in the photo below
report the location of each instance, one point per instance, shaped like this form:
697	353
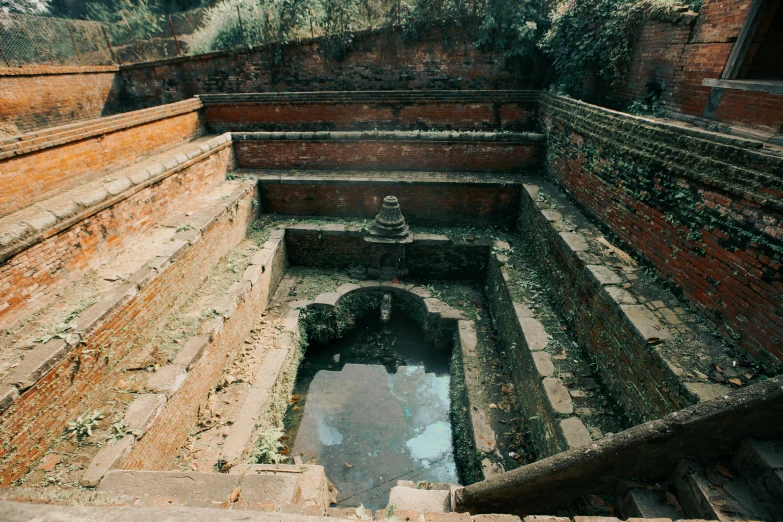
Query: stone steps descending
422	498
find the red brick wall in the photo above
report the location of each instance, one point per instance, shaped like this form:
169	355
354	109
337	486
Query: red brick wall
32	277
158	449
440	115
716	238
388	155
33	176
43	96
446	203
78	382
377	61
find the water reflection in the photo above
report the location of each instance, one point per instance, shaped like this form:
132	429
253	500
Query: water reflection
379	415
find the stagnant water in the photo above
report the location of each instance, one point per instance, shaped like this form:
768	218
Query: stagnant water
373	408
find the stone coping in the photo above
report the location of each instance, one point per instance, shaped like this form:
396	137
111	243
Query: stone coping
363	177
44	357
55	136
411	96
735	165
33	224
547	384
40	70
426	136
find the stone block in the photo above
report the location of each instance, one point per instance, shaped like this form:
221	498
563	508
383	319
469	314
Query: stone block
602	275
189	486
596	519
502	245
167	380
552	215
173	249
543	362
41	221
62	209
575	242
347	287
117	186
575	432
8	395
91	318
644	324
420	500
535	334
142	412
240	289
211	327
143	276
108	458
90	197
545	518
558	396
496	518
263	257
13	232
620	295
226	305
37	362
191	353
467	337
326	300
253	273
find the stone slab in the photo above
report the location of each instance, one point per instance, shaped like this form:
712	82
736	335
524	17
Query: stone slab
191	353
421	500
8	395
543	362
603	275
107	458
558	396
575	432
187	485
167	379
142	412
645	325
37	362
534	332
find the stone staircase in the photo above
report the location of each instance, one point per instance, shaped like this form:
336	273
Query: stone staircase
747	486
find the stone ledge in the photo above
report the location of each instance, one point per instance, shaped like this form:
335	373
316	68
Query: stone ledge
507	96
31	225
142	412
108	458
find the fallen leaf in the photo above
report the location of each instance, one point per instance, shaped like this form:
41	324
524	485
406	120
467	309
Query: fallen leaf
348	465
627	286
735	382
493	406
598	501
295	398
674	502
461	303
235	495
653	340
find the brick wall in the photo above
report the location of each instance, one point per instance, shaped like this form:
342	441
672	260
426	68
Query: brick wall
377	61
338	246
38	167
477	156
158	448
422	202
705	214
45	96
78	382
386	110
31	278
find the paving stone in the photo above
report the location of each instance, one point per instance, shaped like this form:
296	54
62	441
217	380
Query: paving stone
543	362
167	379
467	337
142	412
107	459
575	432
190	354
558	395
326	300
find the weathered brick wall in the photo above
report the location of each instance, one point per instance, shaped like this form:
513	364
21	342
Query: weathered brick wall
32	277
38	167
655	58
376	61
37	97
78	382
429	256
705	213
397	153
422	202
159	447
385	110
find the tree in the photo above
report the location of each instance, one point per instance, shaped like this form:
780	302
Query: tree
22	7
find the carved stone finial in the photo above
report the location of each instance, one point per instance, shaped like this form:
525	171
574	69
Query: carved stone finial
389	222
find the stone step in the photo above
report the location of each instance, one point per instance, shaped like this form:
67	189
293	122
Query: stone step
761	463
204	489
724	496
647	503
420	500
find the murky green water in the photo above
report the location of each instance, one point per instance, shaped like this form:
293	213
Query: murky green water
373	409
